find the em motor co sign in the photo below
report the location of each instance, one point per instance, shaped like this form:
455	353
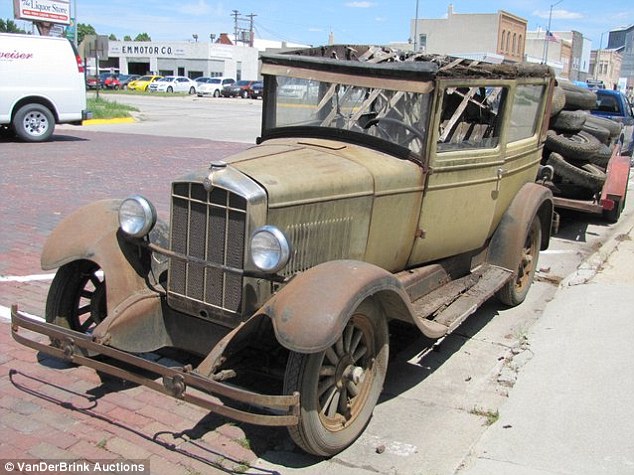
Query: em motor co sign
53	11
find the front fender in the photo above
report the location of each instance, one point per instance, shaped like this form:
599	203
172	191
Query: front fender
91	233
311	311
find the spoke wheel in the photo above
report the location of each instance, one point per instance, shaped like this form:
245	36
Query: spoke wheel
77	297
340	386
515	290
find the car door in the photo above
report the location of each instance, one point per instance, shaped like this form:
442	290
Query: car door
465	169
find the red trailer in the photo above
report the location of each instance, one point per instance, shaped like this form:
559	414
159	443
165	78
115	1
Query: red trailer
611	202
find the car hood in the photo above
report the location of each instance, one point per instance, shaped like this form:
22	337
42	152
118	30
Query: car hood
296	171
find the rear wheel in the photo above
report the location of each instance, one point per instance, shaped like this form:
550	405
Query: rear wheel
170	89
515	290
340	386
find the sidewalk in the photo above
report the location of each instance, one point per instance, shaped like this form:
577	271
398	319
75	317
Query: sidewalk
571	410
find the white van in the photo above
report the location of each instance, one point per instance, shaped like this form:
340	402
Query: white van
42	83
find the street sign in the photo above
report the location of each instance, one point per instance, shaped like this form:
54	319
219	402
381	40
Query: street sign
52	11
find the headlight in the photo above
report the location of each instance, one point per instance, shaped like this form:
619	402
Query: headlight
269	249
137	216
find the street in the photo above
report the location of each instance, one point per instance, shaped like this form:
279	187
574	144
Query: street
435	404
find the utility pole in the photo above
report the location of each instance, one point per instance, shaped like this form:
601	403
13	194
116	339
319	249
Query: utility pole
235	15
251	36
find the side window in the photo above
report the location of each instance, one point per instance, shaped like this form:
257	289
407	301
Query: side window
470	118
526	103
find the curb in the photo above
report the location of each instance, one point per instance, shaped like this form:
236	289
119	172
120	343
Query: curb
589	267
120	120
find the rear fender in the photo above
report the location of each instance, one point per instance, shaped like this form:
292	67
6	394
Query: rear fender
506	245
311	311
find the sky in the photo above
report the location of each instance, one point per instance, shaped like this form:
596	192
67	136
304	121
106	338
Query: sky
360	22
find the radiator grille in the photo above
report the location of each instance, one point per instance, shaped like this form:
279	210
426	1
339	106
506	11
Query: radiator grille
208	230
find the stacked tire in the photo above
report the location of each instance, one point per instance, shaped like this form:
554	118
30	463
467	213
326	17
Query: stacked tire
578	144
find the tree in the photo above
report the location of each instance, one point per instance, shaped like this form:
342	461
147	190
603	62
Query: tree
9	26
83	30
142	37
127	38
112	37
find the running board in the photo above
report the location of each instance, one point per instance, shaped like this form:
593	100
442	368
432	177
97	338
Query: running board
449	306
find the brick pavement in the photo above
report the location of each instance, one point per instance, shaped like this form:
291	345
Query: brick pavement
50	410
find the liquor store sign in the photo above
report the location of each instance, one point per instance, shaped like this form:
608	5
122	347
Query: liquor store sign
52	11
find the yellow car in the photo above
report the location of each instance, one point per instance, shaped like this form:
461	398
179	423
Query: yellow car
142	83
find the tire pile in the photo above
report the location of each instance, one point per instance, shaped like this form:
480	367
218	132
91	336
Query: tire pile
578	144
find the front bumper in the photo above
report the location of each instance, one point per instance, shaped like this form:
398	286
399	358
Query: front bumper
266	410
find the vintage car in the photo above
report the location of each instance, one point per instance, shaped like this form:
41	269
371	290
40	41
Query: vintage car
401	189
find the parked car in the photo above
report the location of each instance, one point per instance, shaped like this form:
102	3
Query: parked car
42	83
257	89
143	83
240	88
403	193
125	79
615	106
109	81
173	84
92	82
213	87
203	79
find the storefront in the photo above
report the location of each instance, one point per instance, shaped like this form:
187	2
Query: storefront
184	58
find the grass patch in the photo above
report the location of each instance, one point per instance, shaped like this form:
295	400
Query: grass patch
491	417
107	109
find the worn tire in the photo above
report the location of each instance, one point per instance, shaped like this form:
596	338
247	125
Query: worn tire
601	133
579	146
577	97
329	421
572	191
568	121
575	174
602	157
611	125
558	102
77	298
515	290
33	123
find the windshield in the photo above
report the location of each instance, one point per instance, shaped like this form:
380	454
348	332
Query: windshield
380	115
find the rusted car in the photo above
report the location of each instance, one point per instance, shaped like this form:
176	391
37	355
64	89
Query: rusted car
387	186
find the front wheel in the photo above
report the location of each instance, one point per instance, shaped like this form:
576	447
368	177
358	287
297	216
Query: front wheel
340	386
515	290
33	123
77	297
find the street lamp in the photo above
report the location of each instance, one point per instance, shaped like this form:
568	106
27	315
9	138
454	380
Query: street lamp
548	32
195	36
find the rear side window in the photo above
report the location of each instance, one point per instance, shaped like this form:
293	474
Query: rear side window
524	115
470	118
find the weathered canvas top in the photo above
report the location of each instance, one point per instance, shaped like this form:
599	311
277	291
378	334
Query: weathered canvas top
389	62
